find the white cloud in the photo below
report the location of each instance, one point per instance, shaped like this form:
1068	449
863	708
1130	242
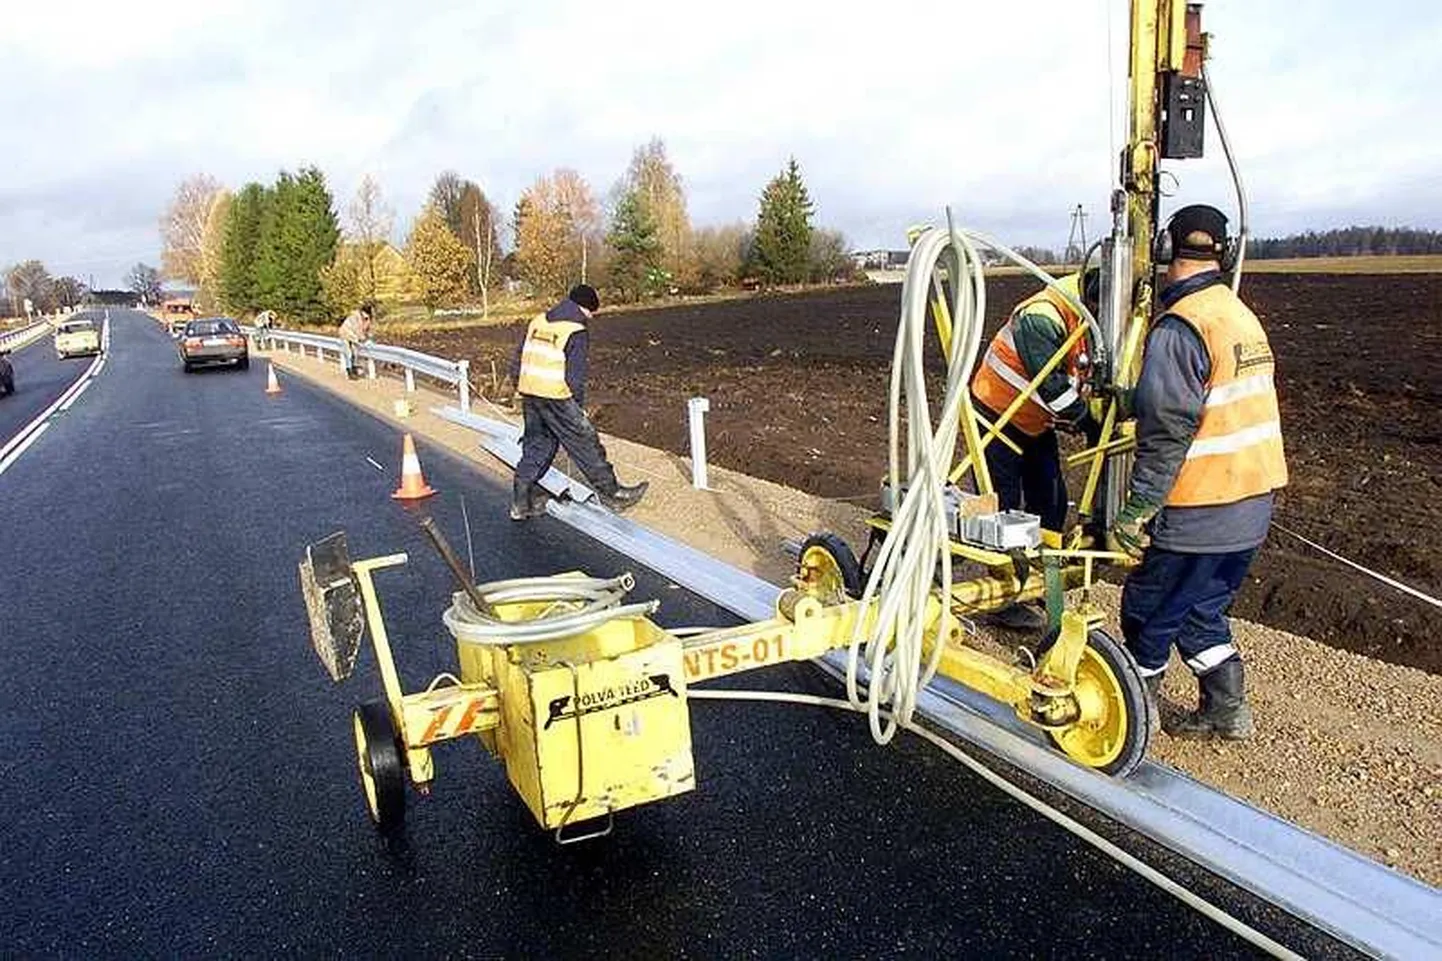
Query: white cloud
1000	110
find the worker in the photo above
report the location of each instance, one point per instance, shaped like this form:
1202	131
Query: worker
354	331
1208	459
549	371
1032	480
264	323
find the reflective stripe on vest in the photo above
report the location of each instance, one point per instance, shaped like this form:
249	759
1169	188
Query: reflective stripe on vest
1001	376
543	358
1237	452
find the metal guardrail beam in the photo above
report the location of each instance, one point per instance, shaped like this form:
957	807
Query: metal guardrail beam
457	373
1353	898
23	336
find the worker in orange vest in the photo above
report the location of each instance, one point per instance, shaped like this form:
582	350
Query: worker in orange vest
1032	480
550	375
1208	459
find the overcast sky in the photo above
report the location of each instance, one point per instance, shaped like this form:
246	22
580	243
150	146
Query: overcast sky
1010	112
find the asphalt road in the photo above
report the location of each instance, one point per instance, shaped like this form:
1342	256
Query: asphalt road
39	379
176	770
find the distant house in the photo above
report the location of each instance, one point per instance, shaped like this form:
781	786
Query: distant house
880	259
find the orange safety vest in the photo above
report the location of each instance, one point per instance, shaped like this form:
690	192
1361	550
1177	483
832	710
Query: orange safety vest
543	358
1237	452
1001	376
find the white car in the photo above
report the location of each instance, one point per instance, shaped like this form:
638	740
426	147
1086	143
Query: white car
77	338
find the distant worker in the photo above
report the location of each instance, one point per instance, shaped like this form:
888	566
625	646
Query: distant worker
549	371
1208	459
1032	480
355	330
264	322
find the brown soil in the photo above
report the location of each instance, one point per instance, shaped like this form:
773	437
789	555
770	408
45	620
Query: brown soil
798	387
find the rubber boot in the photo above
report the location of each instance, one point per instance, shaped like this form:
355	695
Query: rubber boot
1223	713
1153	684
625	497
524	502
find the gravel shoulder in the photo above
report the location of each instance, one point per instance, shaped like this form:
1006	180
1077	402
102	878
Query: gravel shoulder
1347	746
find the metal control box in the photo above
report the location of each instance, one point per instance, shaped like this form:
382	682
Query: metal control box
974	518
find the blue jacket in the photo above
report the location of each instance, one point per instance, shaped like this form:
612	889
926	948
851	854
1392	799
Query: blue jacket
577	346
1168	403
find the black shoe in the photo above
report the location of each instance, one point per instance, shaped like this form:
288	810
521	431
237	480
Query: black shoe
525	504
625	497
1223	713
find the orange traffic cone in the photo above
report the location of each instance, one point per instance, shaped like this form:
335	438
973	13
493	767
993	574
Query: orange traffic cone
413	483
272	386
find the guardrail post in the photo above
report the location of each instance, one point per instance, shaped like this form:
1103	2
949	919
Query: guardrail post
696	409
410	381
463	367
371	368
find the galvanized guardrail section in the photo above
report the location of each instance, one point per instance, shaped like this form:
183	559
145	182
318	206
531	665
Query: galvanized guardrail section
1355	899
457	373
23	336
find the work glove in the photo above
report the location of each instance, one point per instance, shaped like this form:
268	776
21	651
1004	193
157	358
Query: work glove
1129	534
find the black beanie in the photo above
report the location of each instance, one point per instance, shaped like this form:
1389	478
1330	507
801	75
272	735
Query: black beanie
1198	218
584	295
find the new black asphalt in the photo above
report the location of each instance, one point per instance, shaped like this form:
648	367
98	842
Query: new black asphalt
40	377
177	777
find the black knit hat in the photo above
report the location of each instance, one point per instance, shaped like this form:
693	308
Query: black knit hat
584	295
1198	218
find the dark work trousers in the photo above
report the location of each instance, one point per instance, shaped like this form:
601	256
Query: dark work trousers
1032	480
1182	599
553	424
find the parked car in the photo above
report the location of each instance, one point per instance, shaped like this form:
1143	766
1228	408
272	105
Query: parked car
212	340
77	338
7	375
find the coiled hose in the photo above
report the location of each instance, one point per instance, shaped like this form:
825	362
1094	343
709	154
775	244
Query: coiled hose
917	548
578	604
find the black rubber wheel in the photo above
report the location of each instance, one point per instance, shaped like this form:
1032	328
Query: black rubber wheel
382	769
188	368
1116	742
244	363
833	561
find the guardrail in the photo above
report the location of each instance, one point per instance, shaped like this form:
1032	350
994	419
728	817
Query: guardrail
457	373
16	339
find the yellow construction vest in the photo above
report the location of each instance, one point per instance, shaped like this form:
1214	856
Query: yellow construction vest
1001	375
543	358
1237	452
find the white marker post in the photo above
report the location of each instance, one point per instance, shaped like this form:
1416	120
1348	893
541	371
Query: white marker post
696	408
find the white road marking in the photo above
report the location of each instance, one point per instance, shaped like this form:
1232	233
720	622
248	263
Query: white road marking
14	455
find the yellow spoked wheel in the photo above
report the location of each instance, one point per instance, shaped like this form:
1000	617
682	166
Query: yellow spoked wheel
1117	717
828	568
378	756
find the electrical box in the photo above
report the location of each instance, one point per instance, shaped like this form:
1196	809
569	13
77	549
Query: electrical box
974	518
1184	102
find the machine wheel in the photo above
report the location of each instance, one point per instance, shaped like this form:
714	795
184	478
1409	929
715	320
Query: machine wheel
830	566
1118	718
382	771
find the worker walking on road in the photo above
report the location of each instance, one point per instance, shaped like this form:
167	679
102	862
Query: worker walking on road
1208	459
550	375
354	331
1032	480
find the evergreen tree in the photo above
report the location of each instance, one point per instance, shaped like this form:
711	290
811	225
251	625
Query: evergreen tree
635	269
239	251
298	236
782	250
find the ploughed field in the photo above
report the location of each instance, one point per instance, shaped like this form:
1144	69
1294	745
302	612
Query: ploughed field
798	392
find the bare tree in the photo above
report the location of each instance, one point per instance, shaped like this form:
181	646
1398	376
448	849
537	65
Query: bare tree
446	195
144	281
30	281
182	229
370	229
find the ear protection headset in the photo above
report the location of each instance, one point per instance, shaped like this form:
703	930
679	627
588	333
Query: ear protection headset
1224	250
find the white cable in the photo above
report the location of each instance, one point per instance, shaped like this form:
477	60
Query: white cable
917	546
1190	898
1365	570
